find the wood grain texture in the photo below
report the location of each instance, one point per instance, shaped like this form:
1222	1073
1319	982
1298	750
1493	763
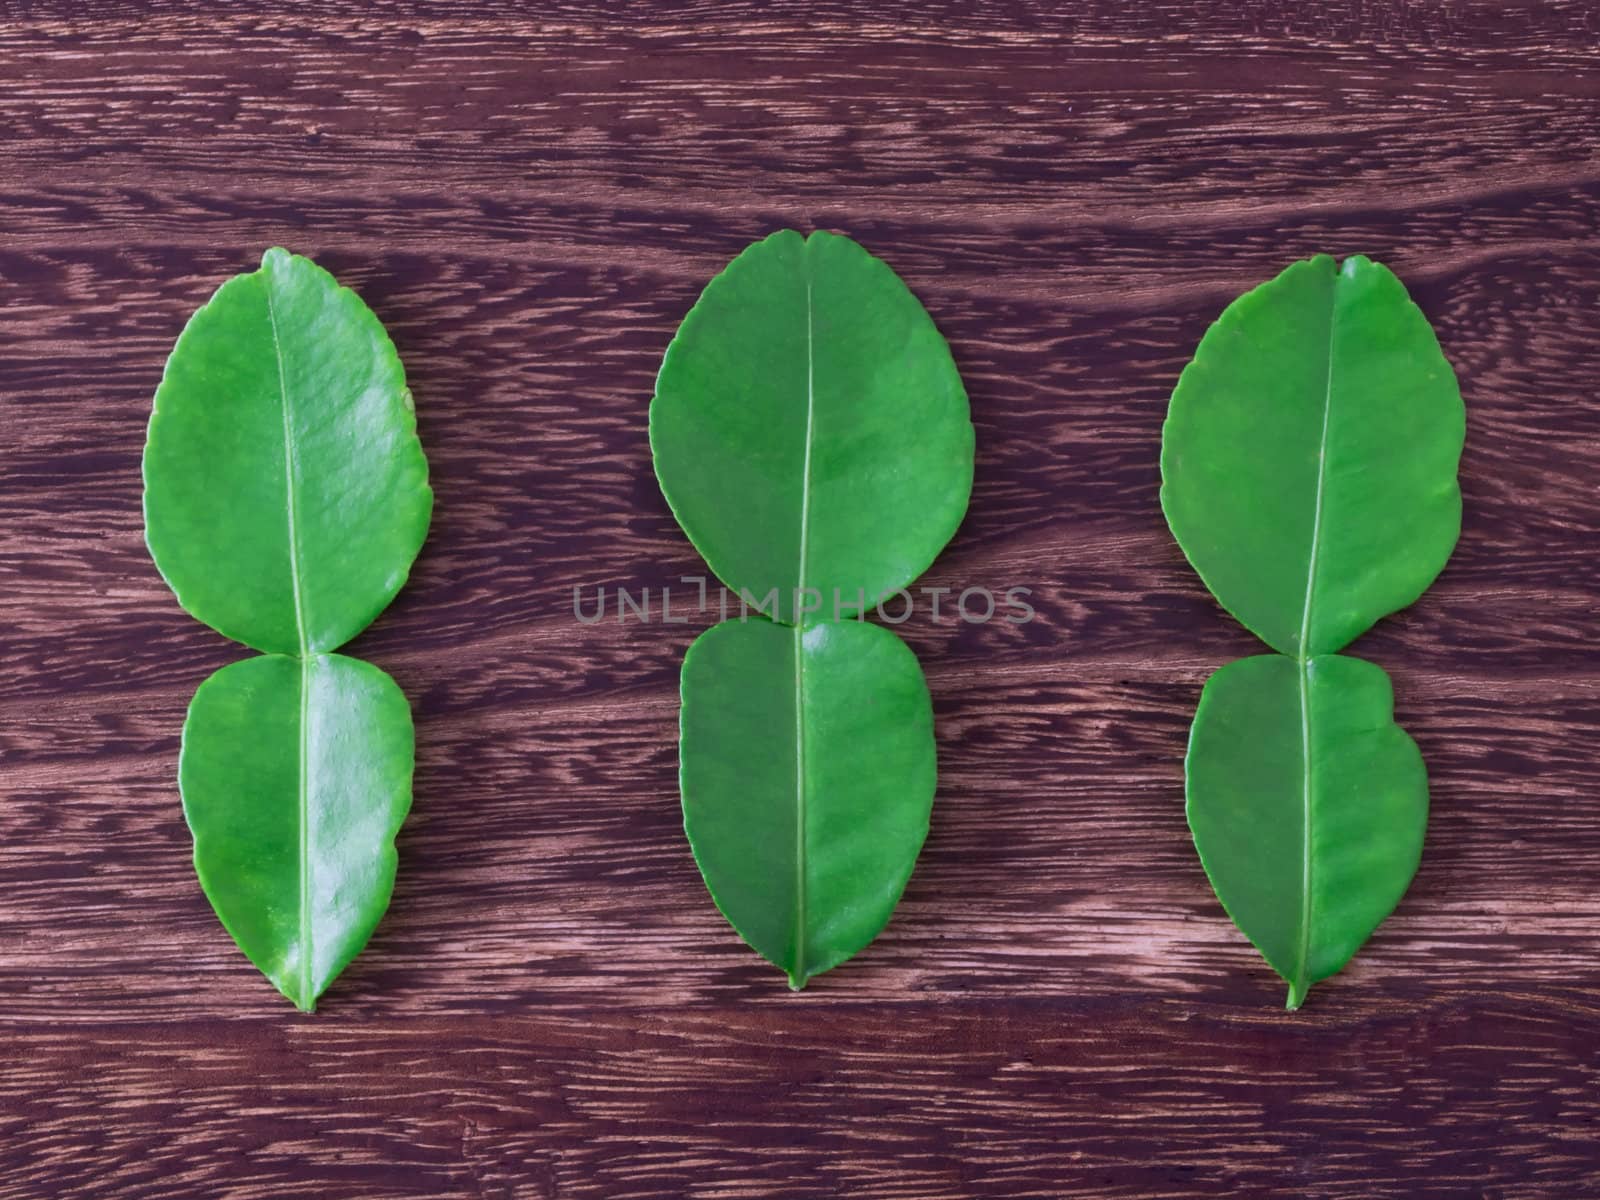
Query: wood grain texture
553	1010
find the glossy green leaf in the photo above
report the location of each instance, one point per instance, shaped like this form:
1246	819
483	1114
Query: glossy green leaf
296	774
807	772
810	430
1309	456
286	494
812	436
1308	805
1309	473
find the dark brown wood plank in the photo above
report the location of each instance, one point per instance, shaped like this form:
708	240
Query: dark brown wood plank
552	1009
1050	1099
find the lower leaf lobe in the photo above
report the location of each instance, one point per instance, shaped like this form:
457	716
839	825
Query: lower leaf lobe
1308	806
296	775
807	773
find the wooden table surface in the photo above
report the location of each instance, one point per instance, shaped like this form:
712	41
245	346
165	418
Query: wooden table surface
552	1009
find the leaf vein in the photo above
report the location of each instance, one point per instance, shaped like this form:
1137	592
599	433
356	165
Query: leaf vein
1297	989
304	807
797	977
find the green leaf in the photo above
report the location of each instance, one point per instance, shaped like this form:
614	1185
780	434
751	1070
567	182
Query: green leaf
286	494
807	777
812	436
1308	805
1309	472
1309	455
810	430
295	774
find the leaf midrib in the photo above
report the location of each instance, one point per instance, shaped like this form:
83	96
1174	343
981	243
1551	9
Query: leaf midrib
797	973
1297	987
303	799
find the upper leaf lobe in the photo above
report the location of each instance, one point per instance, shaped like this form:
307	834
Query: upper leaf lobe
809	428
286	492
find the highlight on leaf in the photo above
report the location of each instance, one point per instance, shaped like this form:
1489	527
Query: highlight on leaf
285	498
812	436
1308	466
